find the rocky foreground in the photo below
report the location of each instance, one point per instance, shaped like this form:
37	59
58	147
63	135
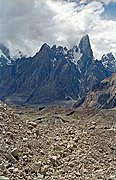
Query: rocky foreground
57	144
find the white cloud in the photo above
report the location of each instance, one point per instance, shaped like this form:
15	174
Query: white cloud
27	24
108	1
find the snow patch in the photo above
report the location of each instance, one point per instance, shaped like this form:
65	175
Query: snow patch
53	61
2	55
76	56
16	54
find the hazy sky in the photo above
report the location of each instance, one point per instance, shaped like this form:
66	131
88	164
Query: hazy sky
27	24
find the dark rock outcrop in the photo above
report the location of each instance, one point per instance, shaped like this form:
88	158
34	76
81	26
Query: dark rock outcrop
103	95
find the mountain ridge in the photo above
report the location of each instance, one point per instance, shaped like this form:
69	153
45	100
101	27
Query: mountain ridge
53	74
102	95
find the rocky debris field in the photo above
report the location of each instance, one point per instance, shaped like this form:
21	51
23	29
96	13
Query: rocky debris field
57	143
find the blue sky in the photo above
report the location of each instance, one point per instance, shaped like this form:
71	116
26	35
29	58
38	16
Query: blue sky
110	11
26	25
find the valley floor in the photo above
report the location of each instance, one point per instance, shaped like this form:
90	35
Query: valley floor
57	143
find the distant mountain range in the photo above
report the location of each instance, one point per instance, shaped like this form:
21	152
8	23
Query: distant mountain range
53	74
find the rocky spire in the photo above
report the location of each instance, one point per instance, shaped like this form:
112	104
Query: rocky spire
87	54
85	44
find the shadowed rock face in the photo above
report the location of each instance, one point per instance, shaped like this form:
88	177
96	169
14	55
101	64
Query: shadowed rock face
53	74
87	55
103	95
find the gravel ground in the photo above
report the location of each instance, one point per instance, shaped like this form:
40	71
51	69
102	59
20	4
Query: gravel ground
57	143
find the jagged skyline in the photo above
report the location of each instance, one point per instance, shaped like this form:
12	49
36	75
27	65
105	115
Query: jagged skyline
27	25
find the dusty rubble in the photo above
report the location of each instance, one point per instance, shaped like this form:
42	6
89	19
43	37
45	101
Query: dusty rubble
57	144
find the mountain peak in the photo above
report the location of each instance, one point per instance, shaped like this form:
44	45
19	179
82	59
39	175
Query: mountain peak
4	55
84	43
85	37
109	61
45	49
45	46
87	54
5	50
54	74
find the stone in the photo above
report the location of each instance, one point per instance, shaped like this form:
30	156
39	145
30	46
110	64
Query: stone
11	169
54	158
94	123
14	152
32	123
92	127
44	169
10	157
16	170
25	156
36	166
40	176
41	108
2	167
71	164
42	152
70	145
4	178
8	141
25	139
77	174
37	132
